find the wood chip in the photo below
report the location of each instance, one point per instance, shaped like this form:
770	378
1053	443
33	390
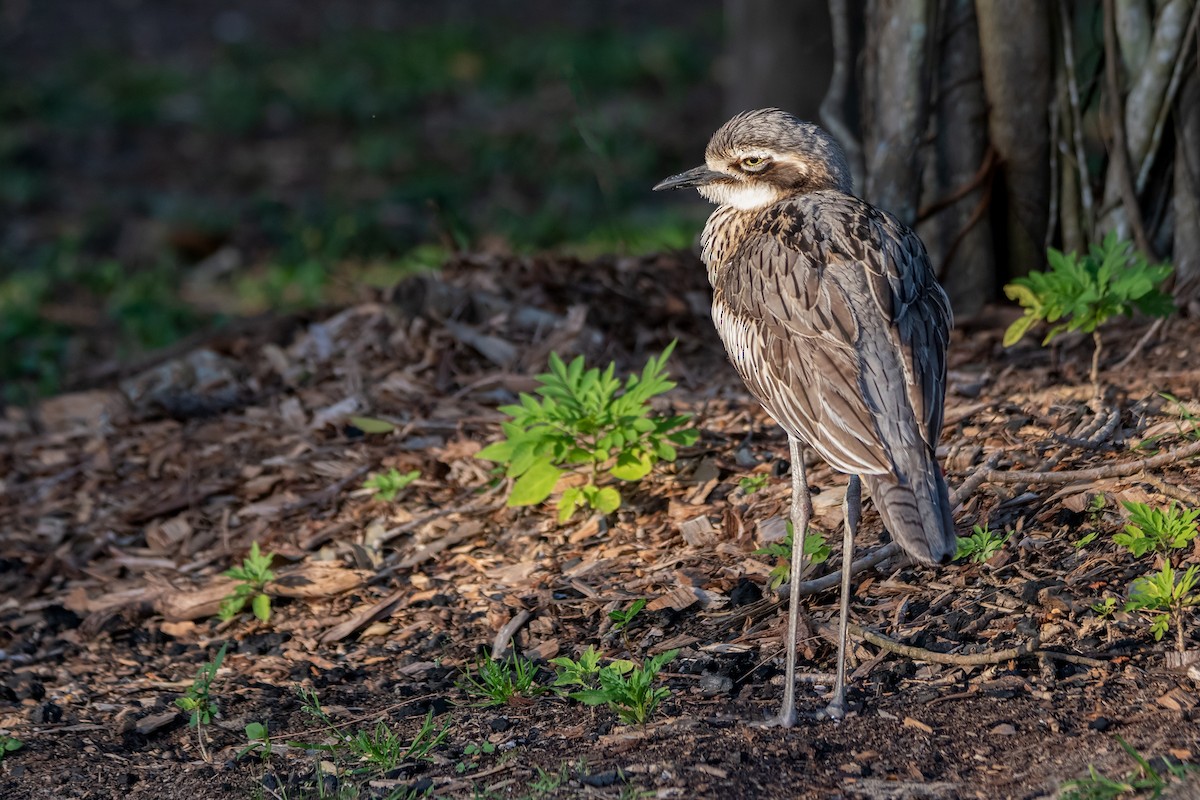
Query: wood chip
909	722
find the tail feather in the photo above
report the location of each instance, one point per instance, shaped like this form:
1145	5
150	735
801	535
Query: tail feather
916	512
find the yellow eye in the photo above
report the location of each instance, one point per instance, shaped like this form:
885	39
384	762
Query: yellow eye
750	162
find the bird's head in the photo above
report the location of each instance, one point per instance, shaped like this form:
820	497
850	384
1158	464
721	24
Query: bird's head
760	157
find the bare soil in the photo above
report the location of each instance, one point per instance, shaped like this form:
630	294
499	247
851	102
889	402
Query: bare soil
121	506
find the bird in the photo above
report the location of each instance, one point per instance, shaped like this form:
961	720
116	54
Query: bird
832	315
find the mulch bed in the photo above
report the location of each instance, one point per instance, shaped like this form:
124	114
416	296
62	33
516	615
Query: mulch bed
122	504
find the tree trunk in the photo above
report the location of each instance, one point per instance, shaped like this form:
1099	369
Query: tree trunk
1014	41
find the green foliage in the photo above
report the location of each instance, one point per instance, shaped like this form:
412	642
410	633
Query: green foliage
587	421
815	550
9	744
625	688
379	749
752	483
1085	540
252	576
472	749
1105	608
1145	781
623	618
501	682
197	700
1164	598
389	484
981	545
1082	293
1157	530
259	741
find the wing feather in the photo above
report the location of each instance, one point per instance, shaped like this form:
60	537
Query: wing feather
832	315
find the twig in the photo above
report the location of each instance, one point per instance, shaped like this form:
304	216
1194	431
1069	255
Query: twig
1120	150
1120	470
974	480
1142	342
827	582
505	634
1180	493
1030	648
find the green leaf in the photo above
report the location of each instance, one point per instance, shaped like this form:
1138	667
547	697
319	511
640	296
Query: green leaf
607	500
500	452
535	485
371	425
1018	329
262	607
256	730
632	466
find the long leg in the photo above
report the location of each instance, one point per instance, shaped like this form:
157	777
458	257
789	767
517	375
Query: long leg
853	510
801	514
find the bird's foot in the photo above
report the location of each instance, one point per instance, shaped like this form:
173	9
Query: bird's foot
835	711
784	719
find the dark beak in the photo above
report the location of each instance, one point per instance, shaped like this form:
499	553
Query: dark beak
693	177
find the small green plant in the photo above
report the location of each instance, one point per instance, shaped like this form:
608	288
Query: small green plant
583	672
389	484
1157	530
1145	781
1165	599
1105	608
501	682
198	701
472	751
9	744
815	549
752	483
252	576
623	618
981	545
259	741
380	749
549	782
627	689
1085	540
587	421
1082	293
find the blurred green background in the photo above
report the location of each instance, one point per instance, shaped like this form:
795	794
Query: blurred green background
165	167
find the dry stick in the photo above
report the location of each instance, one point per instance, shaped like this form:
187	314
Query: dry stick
1030	648
1120	151
1144	340
1119	470
505	634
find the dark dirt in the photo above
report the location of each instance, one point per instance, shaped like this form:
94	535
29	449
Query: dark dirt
118	524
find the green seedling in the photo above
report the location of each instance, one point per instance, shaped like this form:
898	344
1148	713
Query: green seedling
9	744
1081	293
549	782
587	421
389	484
252	576
500	683
472	749
622	619
1165	599
981	545
1085	540
198	701
627	689
1105	608
1145	781
378	750
1157	530
259	741
584	672
816	551
753	483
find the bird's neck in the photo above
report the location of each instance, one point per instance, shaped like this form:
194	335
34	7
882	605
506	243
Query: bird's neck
723	234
